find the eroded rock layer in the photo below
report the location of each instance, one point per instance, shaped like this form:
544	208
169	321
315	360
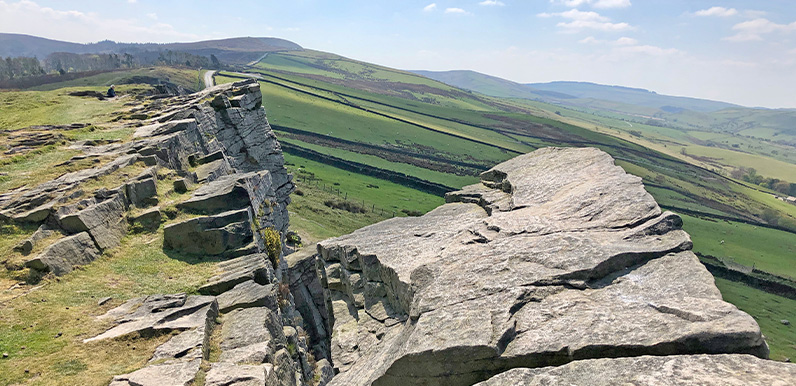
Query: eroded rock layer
557	256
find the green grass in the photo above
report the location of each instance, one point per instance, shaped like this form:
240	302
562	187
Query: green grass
183	77
68	304
314	221
767	249
26	108
768	310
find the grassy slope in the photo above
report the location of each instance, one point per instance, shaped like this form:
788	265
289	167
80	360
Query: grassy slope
184	77
768	310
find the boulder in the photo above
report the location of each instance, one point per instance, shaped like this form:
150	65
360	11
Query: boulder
104	221
210	235
227	374
248	294
261	352
62	256
160	313
707	370
577	262
247	326
187	345
223	194
148	220
171	374
254	267
142	193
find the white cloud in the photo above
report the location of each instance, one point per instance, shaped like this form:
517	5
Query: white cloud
457	11
491	3
430	7
649	50
582	20
626	41
153	16
717	11
594	3
753	30
132	1
71	25
623	41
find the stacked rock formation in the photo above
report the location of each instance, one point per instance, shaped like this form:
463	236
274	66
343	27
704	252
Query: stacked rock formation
557	258
217	144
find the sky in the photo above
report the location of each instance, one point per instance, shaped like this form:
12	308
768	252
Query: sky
741	52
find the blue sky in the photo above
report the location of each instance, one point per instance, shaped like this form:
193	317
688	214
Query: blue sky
736	51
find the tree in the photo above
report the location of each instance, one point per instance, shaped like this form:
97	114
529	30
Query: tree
214	62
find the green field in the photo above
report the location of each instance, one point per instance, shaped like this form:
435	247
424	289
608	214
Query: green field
766	249
768	310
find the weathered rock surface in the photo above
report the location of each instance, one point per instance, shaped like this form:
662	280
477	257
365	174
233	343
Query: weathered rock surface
66	253
104	220
173	374
225	374
248	294
707	370
148	314
254	267
558	256
210	235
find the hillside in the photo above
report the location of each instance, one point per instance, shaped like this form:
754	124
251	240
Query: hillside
710	130
233	50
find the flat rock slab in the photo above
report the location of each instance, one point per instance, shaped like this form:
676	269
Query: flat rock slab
210	235
62	256
247	326
225	374
248	294
187	345
224	194
173	374
557	256
254	267
152	313
707	370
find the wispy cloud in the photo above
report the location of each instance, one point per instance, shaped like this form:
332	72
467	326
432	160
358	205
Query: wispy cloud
753	30
492	3
594	3
717	12
623	41
430	7
456	11
84	27
583	20
649	50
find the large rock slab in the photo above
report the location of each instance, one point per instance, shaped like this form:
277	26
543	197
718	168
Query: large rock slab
104	221
254	267
706	370
225	374
224	194
172	374
210	235
248	294
149	314
557	256
62	256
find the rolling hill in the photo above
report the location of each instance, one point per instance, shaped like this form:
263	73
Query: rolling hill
233	50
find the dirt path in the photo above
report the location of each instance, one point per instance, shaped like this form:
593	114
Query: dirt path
209	79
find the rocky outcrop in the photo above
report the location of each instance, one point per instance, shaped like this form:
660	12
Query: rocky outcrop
718	370
557	257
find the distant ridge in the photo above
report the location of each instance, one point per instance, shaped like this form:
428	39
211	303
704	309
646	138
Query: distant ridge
563	91
232	50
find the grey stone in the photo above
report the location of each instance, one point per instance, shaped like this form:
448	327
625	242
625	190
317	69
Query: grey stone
326	371
147	315
62	256
247	326
210	235
171	374
149	220
104	300
165	128
104	220
44	231
254	353
224	194
707	370
142	193
182	185
253	267
577	262
248	294
227	374
187	345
